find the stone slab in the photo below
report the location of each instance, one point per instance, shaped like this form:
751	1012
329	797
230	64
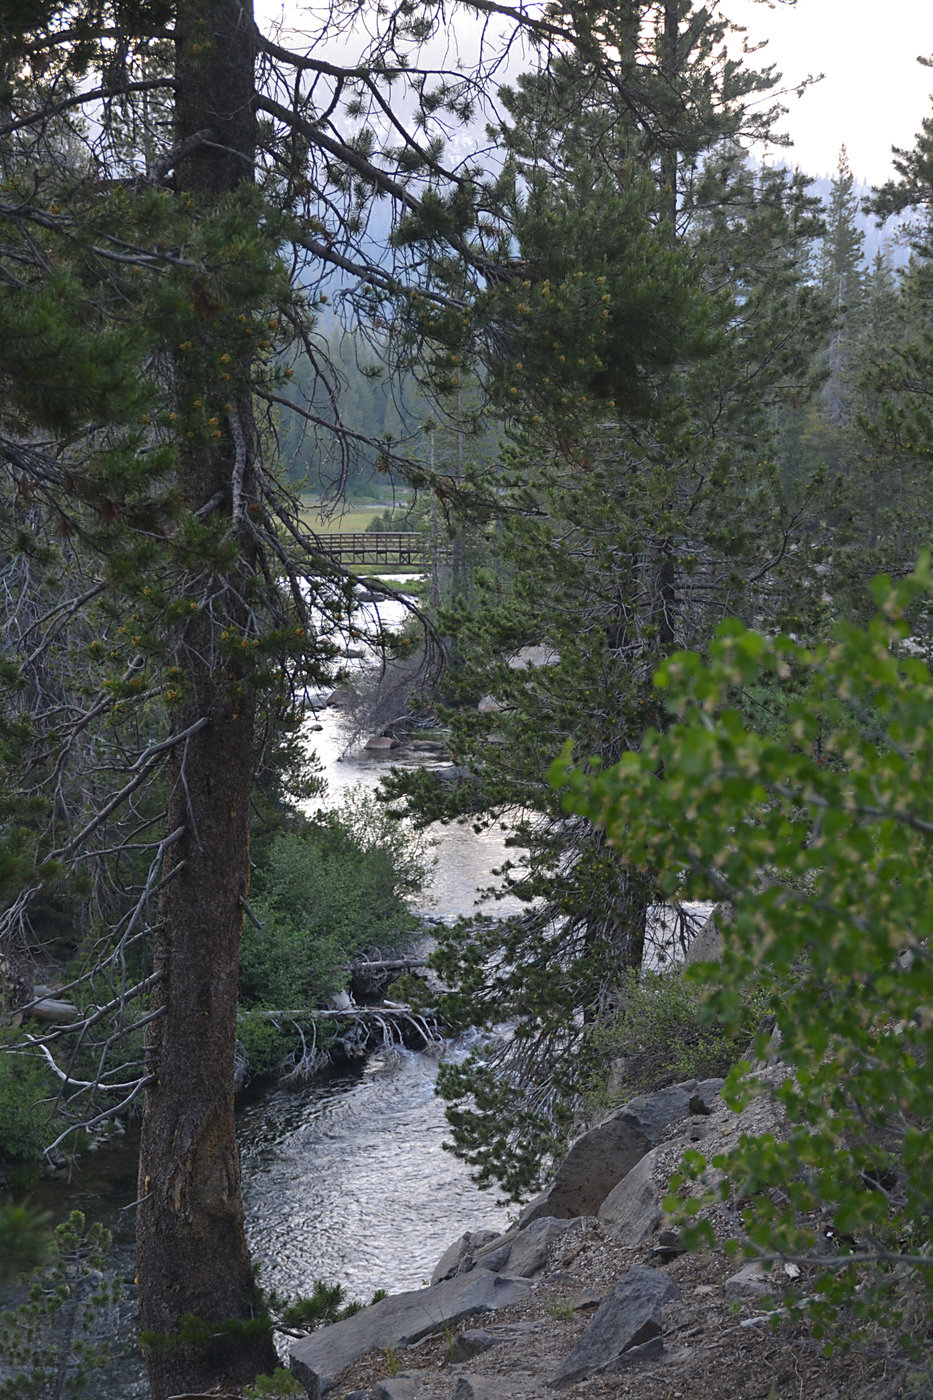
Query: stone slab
318	1359
632	1210
627	1325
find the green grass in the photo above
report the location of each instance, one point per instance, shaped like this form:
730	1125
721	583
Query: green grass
355	515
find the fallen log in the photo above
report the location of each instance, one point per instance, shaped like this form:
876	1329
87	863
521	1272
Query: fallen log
364	968
357	1032
51	1009
317	1013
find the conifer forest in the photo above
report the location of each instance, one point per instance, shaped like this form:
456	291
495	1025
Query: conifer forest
543	278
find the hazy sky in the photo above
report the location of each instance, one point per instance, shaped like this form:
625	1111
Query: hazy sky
874	95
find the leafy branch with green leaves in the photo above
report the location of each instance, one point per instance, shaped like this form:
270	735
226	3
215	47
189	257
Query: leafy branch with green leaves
818	837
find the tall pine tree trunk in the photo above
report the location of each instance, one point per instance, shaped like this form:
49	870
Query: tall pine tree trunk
192	1258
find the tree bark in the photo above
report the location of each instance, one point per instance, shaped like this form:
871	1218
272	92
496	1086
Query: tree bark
192	1258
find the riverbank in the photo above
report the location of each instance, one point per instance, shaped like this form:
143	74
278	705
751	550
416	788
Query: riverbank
606	1301
718	1341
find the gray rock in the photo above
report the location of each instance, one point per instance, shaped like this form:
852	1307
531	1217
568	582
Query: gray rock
473	1342
751	1278
602	1157
460	1257
632	1210
533	656
626	1325
670	1244
408	1385
494	1259
317	1360
451	773
705	1095
494	1387
530	1248
522	1253
707	945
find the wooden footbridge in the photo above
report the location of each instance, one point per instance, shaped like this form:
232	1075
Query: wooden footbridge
397	547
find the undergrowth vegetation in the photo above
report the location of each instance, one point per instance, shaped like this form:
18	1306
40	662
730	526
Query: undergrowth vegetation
665	1031
326	889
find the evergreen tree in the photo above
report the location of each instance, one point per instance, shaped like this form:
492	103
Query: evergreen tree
843	277
647	345
148	310
896	371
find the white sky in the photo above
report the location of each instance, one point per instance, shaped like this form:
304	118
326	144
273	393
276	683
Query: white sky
874	95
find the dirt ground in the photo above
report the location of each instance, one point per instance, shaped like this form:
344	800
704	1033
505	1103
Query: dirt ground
721	1342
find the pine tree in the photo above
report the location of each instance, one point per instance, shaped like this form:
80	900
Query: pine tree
896	371
148	311
843	279
636	505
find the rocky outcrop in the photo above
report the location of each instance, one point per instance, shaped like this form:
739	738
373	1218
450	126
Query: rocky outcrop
606	1207
599	1160
706	945
632	1210
626	1323
520	1252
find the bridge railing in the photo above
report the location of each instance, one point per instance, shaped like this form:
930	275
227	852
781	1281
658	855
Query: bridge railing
377	546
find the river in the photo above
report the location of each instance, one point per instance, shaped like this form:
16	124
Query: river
346	1179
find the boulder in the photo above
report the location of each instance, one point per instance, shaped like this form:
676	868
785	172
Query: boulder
627	1325
599	1160
472	1342
451	773
318	1359
530	657
407	1385
632	1210
494	1388
460	1257
707	945
751	1278
522	1253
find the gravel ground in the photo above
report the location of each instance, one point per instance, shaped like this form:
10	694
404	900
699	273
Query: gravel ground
720	1340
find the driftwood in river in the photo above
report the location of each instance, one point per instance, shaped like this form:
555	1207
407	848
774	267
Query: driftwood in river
353	1032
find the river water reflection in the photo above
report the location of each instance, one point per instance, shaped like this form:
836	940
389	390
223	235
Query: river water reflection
346	1179
349	1181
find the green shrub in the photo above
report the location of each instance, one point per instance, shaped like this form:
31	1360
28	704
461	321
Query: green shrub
324	1305
26	1093
837	816
25	1239
52	1342
325	889
665	1032
281	1385
266	1043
